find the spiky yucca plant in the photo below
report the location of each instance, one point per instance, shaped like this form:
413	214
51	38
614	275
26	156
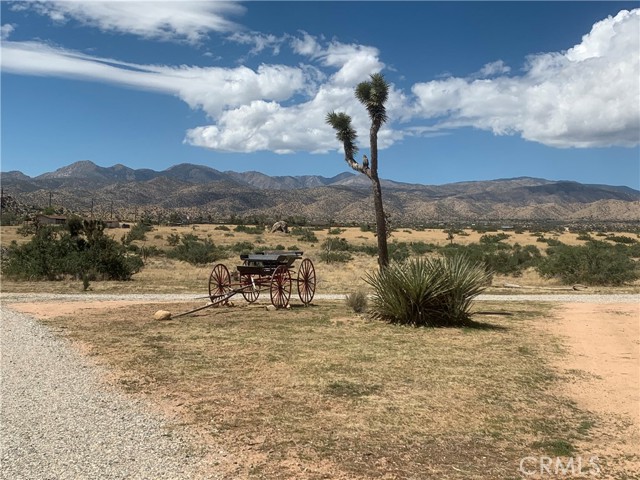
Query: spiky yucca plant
427	292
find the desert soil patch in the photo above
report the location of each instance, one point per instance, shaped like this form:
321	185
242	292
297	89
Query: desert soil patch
602	374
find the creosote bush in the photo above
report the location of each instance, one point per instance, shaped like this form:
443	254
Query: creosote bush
427	291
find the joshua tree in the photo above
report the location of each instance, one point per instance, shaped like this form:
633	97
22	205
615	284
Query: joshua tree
372	94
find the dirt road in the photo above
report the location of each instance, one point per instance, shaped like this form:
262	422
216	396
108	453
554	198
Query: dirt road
603	371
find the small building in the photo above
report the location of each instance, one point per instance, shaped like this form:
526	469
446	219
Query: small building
51	220
111	224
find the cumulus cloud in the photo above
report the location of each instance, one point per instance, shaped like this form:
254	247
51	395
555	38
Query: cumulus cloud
189	21
494	68
270	126
6	30
587	96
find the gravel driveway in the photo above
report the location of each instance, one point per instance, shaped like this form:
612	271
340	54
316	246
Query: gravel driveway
58	422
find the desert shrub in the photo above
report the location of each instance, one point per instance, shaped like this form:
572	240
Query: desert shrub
420	247
257	230
196	251
137	232
595	263
584	237
242	247
622	239
371	250
489	239
293	248
498	257
398	251
173	239
53	254
224	228
335	231
357	301
335	250
365	227
305	235
427	292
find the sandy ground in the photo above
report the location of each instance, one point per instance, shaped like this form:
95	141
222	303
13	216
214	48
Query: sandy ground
603	365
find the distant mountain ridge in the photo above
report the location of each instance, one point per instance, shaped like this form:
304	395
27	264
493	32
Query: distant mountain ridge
201	191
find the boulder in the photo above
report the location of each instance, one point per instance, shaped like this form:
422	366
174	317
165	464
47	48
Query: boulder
280	226
162	315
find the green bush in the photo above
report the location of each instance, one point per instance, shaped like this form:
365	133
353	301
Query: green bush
622	239
53	254
398	251
305	235
595	263
173	239
242	247
498	257
491	239
427	292
420	247
137	232
252	230
335	250
196	251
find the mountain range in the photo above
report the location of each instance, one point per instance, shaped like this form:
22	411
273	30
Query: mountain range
197	191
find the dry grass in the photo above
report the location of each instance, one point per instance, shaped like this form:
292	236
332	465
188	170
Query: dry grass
317	392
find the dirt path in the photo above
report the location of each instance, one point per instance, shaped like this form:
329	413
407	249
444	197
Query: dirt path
603	372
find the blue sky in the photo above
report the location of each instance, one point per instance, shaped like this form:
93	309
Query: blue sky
480	90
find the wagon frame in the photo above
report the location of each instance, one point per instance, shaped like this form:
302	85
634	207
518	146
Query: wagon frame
261	270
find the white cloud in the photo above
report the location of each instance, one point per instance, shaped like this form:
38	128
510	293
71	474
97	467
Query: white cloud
6	30
588	96
259	41
211	89
494	68
269	126
165	20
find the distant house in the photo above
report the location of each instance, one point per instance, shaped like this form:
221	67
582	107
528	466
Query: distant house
62	220
51	220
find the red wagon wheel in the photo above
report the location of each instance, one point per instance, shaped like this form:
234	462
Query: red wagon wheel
306	281
219	283
281	287
250	288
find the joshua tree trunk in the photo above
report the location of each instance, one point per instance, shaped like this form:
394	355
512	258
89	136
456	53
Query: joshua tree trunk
381	219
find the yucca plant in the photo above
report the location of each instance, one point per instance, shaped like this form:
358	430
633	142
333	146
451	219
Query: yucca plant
427	292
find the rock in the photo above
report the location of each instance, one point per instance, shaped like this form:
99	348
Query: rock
280	227
271	308
162	315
